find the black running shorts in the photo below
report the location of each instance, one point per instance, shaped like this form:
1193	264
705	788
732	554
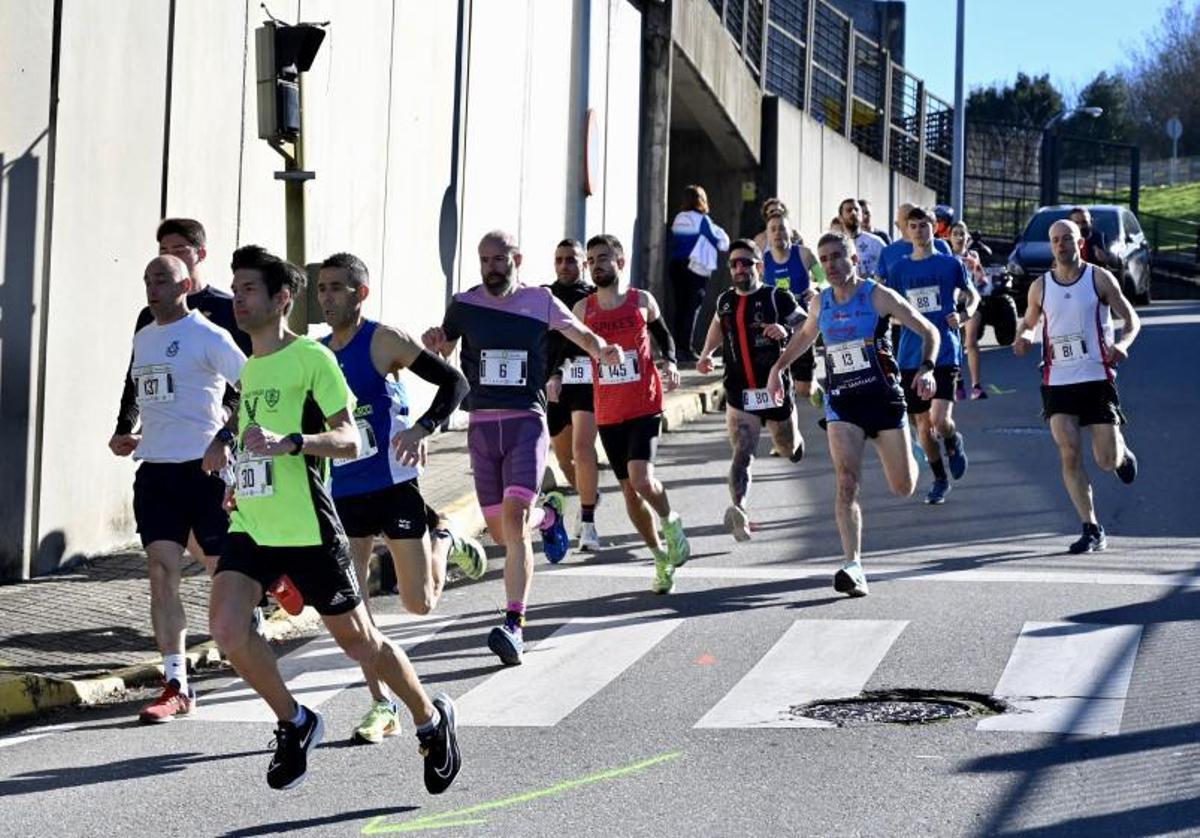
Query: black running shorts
323	573
802	367
1093	402
945	379
397	512
636	439
172	499
573	397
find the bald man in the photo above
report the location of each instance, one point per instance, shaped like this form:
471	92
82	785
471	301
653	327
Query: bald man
182	364
1080	354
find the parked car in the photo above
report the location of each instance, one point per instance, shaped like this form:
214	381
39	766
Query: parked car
1127	246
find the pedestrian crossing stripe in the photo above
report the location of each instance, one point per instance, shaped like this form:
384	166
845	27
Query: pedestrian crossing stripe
1061	677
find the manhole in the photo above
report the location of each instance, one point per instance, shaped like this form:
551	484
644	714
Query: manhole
900	707
1020	430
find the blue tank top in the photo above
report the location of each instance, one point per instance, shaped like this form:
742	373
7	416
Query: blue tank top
790	275
858	347
381	412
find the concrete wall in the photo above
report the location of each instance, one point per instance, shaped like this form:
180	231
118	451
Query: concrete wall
380	130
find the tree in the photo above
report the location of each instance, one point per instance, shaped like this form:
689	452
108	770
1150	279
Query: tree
1030	100
1162	81
1116	124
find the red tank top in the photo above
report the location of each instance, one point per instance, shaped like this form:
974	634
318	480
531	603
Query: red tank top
633	389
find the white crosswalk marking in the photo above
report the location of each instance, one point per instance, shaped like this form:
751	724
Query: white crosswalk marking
814	659
1067	678
315	672
562	671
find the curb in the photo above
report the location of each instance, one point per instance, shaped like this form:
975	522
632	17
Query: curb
25	696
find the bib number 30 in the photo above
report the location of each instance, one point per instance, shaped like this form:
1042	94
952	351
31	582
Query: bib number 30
255	478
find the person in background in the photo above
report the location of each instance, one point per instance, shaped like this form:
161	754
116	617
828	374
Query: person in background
963	246
867	223
695	242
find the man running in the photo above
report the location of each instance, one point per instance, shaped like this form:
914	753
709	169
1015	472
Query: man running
1079	356
787	265
181	365
936	285
504	326
296	412
628	400
868	222
902	247
751	323
377	493
863	399
868	245
569	414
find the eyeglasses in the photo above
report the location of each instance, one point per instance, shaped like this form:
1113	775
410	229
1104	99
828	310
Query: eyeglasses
741	262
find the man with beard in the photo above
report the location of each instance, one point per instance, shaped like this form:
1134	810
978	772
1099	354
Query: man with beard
868	245
868	223
504	326
569	414
786	265
1093	246
376	493
628	401
752	321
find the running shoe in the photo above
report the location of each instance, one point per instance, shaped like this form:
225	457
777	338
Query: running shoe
664	573
678	549
957	460
1092	540
381	720
977	392
816	396
1127	471
851	580
167	706
440	748
507	644
468	555
960	392
798	453
556	543
589	539
937	492
292	743
257	623
737	522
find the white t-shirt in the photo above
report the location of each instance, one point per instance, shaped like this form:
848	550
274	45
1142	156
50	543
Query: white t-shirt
869	247
179	374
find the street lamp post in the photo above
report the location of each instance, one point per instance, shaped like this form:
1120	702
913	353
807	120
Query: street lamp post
1048	161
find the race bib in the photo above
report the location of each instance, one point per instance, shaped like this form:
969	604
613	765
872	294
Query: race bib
623	373
1068	349
503	367
367	446
577	371
154	384
849	356
758	399
255	477
926	299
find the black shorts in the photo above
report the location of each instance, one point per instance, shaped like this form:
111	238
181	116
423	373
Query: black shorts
573	397
1093	402
636	439
172	499
397	512
323	573
802	367
943	377
780	413
880	409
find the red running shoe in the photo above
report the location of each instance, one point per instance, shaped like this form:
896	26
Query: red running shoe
287	595
167	706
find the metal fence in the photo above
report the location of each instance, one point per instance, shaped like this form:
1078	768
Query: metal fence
808	53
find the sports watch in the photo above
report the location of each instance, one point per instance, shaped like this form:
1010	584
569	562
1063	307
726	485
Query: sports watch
298	441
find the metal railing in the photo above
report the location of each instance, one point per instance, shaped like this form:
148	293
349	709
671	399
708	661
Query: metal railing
808	53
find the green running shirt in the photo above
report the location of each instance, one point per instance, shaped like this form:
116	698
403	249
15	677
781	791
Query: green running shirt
283	501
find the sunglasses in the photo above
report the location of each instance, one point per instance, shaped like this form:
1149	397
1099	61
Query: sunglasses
741	262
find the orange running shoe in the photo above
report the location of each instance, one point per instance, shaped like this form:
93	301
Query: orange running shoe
167	706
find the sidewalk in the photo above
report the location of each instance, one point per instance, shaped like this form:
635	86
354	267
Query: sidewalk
84	635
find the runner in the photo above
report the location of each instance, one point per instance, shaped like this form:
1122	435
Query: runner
182	363
296	411
962	245
1079	356
751	323
936	285
868	222
787	265
569	413
377	493
504	326
902	248
863	399
628	396
868	245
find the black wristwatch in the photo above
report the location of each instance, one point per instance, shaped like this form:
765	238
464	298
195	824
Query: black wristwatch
427	424
298	441
225	437
926	366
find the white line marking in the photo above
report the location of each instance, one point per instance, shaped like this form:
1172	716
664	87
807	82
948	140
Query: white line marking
1067	678
35	733
562	671
814	659
315	672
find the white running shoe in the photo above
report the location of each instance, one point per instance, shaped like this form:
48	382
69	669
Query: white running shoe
850	580
589	539
737	522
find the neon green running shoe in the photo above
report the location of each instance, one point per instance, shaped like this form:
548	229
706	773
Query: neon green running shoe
664	573
468	555
678	548
381	720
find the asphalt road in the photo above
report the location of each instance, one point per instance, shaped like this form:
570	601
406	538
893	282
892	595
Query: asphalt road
644	715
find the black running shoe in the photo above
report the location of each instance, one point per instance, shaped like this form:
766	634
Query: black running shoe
292	744
1127	471
798	454
440	748
1092	540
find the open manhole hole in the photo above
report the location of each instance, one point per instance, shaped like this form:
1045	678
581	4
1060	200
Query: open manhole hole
900	707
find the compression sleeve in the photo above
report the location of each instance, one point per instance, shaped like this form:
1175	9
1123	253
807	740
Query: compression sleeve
663	338
452	387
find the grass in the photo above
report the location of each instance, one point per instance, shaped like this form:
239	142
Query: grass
1181	201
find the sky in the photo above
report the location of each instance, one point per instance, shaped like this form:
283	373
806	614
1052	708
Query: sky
1072	43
